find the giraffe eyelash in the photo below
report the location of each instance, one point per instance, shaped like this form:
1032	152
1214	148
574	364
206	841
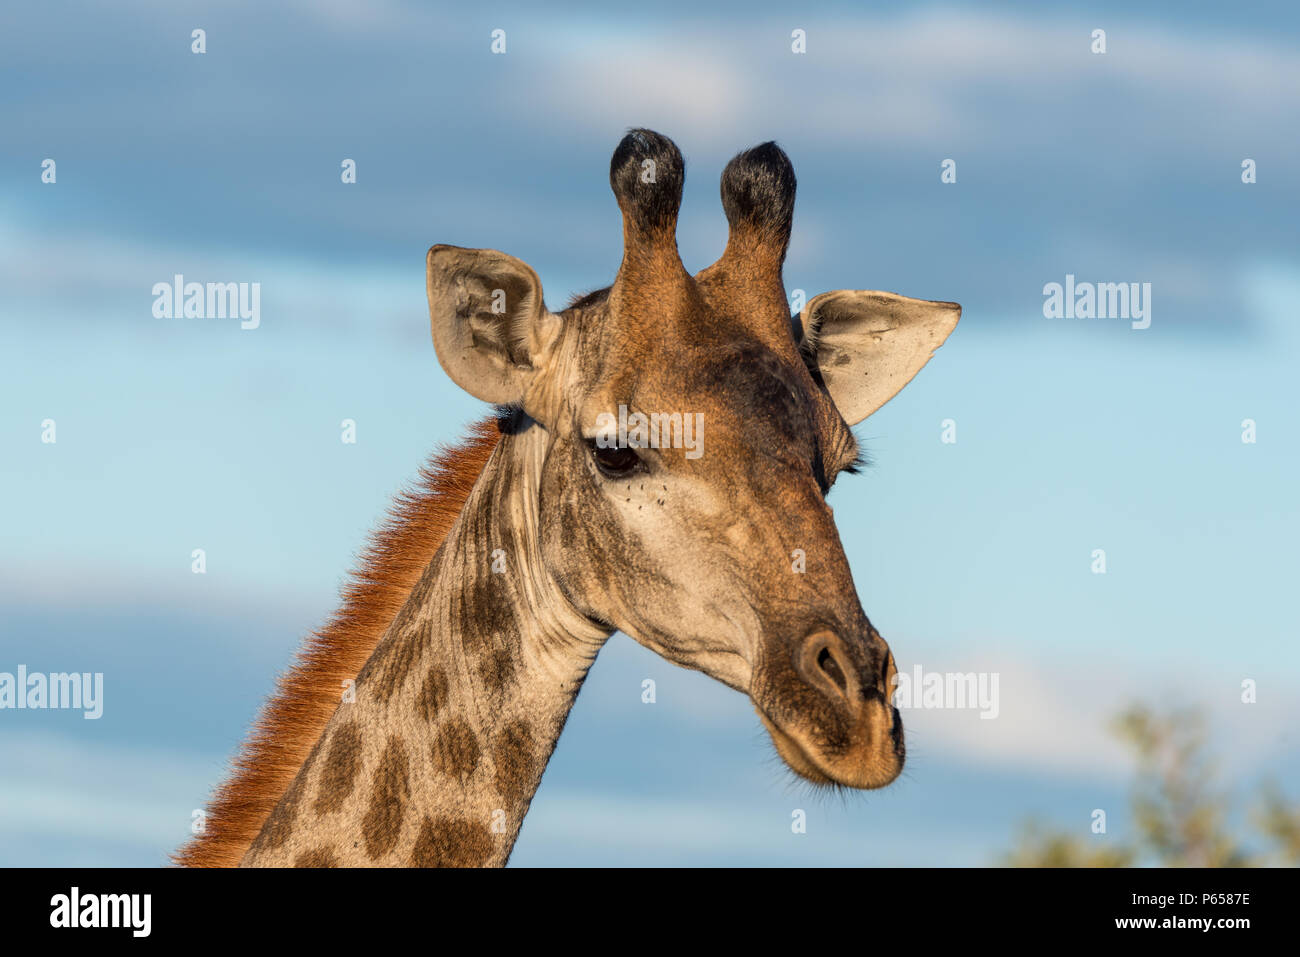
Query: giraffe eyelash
860	462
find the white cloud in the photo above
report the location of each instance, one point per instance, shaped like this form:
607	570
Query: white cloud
66	788
1055	717
931	79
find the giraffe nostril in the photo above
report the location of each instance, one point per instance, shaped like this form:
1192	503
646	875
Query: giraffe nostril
827	663
824	662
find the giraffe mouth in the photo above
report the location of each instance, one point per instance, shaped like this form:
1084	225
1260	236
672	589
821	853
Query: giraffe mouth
874	760
793	755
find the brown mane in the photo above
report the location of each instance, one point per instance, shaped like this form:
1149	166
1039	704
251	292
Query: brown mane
308	693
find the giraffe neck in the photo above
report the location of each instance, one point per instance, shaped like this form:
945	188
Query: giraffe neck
434	757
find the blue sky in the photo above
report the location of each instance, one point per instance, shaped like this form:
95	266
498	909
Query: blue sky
1072	434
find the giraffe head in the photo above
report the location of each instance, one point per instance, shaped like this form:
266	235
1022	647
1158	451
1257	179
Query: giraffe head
692	430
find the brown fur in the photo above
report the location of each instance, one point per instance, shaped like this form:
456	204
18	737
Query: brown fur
340	771
456	750
307	695
497	671
433	694
448	842
321	857
393	665
389	798
513	754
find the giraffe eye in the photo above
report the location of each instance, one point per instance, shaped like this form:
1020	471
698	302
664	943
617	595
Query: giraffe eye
616	462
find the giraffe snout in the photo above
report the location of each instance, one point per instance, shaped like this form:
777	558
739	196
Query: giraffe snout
834	722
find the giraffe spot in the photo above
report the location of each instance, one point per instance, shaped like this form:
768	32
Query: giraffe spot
486	606
497	670
452	842
514	752
389	796
393	664
320	857
433	694
456	750
339	772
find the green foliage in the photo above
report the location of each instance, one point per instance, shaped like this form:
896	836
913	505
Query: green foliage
1039	847
1179	811
1280	822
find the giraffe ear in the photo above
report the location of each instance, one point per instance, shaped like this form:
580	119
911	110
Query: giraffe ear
865	346
491	329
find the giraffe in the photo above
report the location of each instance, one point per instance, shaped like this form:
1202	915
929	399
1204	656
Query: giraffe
481	607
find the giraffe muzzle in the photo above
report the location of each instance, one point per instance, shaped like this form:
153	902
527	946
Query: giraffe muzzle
830	714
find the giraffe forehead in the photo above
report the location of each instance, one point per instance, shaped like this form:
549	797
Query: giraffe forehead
744	393
666	310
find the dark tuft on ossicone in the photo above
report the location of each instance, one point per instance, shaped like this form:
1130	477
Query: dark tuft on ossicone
647	173
758	189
